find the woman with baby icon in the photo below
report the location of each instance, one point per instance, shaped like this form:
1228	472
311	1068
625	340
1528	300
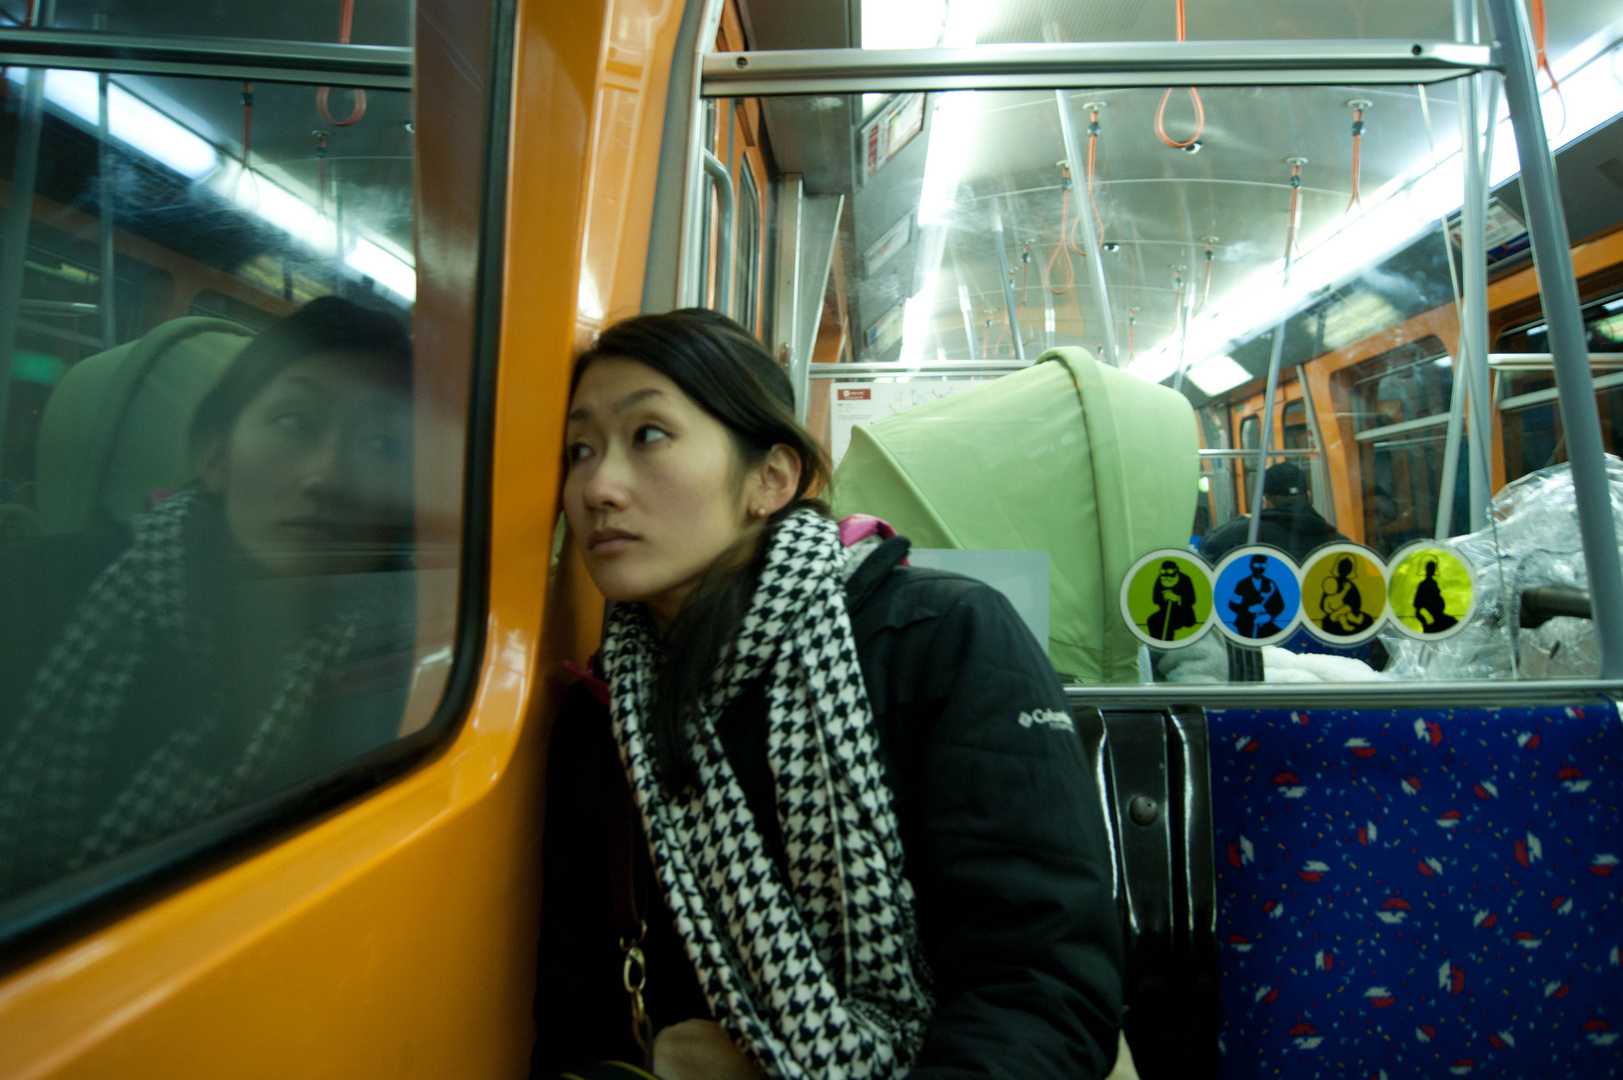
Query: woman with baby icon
1342	603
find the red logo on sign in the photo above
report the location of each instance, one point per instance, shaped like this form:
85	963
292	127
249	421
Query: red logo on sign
856	395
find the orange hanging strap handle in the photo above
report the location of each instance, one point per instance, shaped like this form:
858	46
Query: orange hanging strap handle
1194	99
1064	227
1541	35
1357	105
1296	164
247	121
346	20
1094	128
1206	292
321	169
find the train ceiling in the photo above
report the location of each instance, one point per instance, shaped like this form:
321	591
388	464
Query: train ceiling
1156	202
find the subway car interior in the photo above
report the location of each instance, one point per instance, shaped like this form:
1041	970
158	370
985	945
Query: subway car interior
1268	358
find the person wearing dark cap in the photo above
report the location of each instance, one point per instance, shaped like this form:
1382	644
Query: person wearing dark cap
1288	520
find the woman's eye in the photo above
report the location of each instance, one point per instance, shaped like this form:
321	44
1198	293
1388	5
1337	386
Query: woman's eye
649	433
576	452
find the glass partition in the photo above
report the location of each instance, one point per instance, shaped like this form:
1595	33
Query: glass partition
1066	346
229	542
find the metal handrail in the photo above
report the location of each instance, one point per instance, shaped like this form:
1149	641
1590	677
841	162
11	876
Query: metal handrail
1517	402
369	67
722	181
1546	362
1091	65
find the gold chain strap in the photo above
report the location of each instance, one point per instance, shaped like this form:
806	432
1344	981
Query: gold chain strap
635	977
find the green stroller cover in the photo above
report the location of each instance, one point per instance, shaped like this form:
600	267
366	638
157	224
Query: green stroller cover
1068	456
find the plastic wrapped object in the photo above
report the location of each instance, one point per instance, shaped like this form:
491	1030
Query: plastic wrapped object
1532	542
1562	648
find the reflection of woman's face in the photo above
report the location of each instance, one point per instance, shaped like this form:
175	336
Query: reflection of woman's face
317	464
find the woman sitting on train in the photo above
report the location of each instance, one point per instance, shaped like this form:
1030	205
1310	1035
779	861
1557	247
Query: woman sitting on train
864	839
154	675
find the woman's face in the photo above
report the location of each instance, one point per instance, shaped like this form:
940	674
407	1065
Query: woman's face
318	465
655	491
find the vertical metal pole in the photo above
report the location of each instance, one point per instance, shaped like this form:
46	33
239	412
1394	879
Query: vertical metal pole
1096	260
1266	436
14	247
1451	448
1008	284
965	307
1552	260
104	165
1321	469
1474	310
1183	343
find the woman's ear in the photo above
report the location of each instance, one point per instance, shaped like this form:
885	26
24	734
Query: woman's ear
774	482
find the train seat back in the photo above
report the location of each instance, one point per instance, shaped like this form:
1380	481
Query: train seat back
115	429
1418	892
1069	456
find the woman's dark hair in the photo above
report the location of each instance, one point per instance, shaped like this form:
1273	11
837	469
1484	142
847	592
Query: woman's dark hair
326	325
731	376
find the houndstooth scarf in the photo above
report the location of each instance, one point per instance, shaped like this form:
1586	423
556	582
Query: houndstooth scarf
51	763
819	977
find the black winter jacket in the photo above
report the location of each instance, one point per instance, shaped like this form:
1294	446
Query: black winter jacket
1001	829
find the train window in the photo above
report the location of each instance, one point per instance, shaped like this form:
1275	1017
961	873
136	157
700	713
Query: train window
973	231
1524	391
230	486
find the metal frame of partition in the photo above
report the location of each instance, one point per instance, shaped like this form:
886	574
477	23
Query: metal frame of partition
367	67
1091	66
1059	67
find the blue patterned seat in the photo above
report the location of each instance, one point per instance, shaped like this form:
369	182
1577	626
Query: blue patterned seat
1419	893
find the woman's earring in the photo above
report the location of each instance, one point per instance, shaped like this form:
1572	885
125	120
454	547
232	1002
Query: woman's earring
759	511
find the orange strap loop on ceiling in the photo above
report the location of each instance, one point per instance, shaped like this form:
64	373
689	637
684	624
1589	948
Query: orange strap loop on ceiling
1093	142
1541	35
1358	138
346	19
1194	99
1206	293
1064	229
247	121
1296	194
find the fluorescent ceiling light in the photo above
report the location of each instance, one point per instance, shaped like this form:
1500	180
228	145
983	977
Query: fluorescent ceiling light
294	214
129	119
903	24
951	134
1217	374
916	319
386	269
1155	365
1409	205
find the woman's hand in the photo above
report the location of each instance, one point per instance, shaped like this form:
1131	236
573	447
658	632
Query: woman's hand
701	1050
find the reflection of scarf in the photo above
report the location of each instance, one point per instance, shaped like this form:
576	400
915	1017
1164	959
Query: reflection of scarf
820	975
53	759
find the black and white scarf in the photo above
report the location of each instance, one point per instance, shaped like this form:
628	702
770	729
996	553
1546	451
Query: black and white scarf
52	762
820	977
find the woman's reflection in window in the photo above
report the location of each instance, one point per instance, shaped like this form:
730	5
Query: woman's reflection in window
242	637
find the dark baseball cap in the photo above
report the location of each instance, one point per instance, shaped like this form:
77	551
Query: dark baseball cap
1284	479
